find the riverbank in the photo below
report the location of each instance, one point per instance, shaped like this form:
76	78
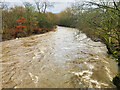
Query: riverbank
8	36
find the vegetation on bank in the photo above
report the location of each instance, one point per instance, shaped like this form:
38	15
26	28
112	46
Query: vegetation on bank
100	21
22	21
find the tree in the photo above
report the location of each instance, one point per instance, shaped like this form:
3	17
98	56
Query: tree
67	18
29	14
39	5
111	26
3	5
24	21
42	5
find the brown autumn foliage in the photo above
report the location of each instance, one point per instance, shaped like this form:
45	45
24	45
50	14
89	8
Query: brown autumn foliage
20	22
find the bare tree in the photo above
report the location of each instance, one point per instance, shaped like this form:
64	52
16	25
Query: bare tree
3	5
42	5
39	5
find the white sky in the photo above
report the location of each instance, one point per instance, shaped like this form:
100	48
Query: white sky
33	0
51	0
48	0
58	6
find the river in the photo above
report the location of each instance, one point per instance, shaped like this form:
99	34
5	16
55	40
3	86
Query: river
65	58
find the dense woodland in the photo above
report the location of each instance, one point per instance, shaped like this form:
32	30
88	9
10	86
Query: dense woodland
99	20
21	21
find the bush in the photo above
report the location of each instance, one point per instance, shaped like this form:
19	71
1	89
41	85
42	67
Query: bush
116	81
21	22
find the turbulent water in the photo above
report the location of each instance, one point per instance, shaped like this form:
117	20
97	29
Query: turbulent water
62	59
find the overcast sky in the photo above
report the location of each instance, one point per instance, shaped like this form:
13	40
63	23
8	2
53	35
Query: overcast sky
58	6
38	0
54	0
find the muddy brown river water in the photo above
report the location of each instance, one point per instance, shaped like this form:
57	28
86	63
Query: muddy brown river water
62	59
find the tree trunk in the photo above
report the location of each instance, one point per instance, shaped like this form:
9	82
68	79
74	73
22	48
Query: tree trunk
45	7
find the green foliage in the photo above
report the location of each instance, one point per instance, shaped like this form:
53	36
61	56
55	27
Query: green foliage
52	18
42	20
66	18
33	23
116	81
